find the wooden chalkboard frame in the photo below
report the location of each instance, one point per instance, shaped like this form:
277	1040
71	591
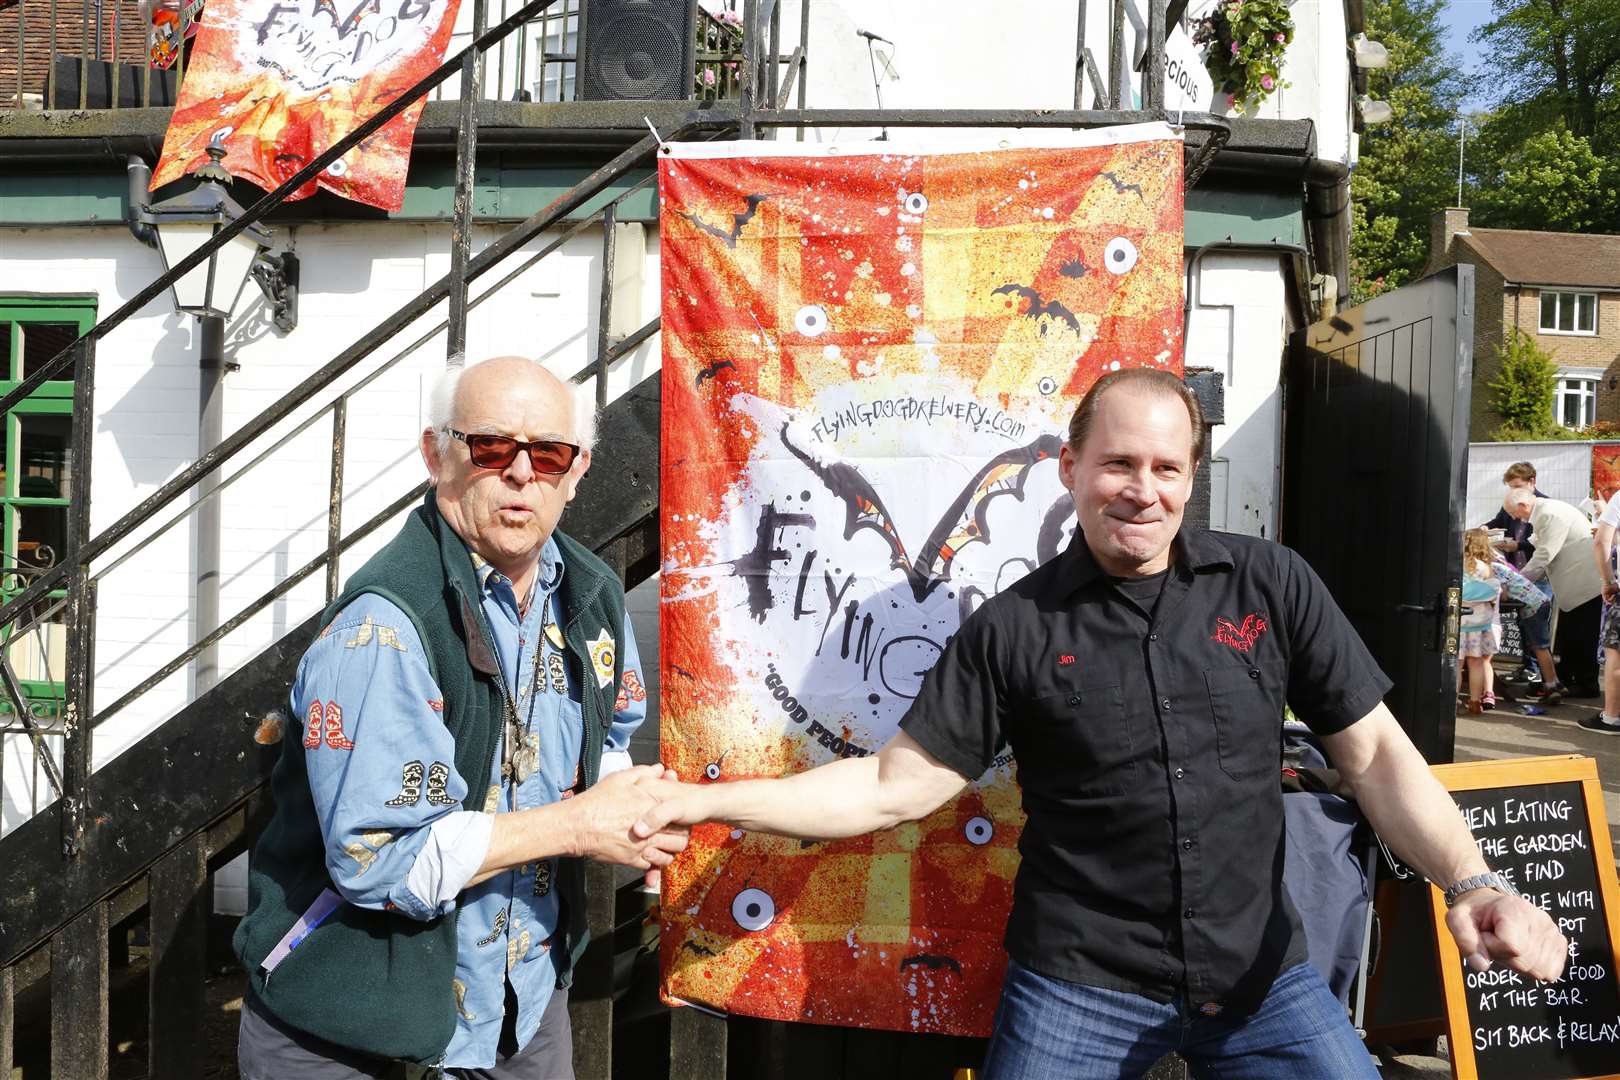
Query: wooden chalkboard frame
1507	773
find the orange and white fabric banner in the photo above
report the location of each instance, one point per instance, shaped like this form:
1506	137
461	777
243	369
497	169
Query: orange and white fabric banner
870	357
285	79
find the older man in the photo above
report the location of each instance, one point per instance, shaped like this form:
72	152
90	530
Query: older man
419	894
1563	561
1149	914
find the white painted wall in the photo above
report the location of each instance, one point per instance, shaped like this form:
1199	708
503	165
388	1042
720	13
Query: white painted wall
1238	325
146	395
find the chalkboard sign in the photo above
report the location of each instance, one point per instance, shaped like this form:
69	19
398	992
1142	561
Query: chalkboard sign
1539	822
1512	637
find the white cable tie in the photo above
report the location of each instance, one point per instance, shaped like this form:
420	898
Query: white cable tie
661	144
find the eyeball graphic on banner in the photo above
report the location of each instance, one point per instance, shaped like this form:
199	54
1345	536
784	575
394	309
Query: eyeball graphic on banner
870	361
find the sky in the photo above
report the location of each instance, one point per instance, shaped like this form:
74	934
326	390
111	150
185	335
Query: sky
1461	17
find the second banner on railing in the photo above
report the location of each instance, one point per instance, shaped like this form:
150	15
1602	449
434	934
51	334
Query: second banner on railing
871	354
282	82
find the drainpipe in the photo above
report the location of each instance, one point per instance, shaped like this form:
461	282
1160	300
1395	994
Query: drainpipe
140	176
210	430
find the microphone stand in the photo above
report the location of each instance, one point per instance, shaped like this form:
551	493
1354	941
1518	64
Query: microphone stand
877	86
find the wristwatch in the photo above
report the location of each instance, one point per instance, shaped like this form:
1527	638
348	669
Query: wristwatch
1488	880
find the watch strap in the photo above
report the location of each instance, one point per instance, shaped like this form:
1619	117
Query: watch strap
1488	880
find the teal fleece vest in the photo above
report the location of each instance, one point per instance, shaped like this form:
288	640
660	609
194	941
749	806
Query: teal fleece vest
378	981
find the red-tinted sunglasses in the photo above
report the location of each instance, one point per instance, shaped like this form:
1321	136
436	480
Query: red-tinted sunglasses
547	456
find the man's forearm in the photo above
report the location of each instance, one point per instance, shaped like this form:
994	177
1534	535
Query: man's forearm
1415	816
524	836
839	799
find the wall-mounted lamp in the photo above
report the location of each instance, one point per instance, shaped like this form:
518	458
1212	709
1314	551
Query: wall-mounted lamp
1373	111
1368	53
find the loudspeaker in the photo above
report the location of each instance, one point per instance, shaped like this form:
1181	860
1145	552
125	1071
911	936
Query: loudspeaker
636	50
98	85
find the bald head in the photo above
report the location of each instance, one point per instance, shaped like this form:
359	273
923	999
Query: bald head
505	511
1519	503
445	398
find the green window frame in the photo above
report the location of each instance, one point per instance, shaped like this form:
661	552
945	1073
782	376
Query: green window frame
32	330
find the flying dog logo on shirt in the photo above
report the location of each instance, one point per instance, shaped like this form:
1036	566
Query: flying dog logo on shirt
601	649
1240	637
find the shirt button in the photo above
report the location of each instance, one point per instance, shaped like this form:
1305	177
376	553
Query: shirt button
1254	673
1187	845
1153	637
1180	773
1189	913
1074	699
1166	704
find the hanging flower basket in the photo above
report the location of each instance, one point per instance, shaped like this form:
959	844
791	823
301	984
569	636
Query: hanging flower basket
1246	40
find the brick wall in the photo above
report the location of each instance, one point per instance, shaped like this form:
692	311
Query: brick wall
120	19
1601	351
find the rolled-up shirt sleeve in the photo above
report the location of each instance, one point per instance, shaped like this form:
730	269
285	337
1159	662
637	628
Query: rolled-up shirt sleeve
381	763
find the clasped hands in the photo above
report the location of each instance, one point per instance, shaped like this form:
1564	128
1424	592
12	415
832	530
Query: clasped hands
620	819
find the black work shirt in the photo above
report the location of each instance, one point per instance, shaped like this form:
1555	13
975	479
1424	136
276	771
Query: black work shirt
1148	746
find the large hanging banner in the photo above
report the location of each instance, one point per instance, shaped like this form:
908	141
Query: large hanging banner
1605	471
870	356
283	81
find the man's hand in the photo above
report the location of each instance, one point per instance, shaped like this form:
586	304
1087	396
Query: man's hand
1489	925
1610	591
604	814
678	806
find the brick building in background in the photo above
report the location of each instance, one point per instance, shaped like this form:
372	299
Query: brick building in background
1561	289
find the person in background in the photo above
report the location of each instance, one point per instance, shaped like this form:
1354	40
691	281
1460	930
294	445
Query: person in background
1486	576
1515	546
1607	722
1563	559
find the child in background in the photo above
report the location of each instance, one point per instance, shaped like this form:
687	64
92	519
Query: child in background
1486	575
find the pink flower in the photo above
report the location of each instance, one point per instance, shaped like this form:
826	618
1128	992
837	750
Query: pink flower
1281	39
731	17
1231	100
1267	81
708	76
1234	48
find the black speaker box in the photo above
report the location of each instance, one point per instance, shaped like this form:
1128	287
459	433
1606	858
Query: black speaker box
99	75
636	50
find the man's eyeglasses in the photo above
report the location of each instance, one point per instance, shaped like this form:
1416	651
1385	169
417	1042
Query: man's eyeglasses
547	456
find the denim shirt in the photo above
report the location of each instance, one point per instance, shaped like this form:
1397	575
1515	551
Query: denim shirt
382	773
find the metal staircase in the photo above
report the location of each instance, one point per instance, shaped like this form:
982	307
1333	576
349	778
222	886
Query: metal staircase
143	832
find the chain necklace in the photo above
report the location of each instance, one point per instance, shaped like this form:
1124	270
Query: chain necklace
519	756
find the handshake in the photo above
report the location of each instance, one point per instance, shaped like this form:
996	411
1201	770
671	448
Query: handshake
636	817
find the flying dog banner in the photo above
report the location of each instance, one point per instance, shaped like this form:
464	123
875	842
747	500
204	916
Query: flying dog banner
1605	471
871	354
283	81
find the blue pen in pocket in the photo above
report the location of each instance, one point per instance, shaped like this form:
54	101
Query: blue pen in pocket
313	916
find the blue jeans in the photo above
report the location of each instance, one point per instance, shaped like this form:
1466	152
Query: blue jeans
1049	1029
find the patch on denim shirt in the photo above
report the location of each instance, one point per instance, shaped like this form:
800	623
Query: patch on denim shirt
365	850
517	949
438	778
461	999
494	931
542	877
386	636
410	791
630	690
558	673
325	720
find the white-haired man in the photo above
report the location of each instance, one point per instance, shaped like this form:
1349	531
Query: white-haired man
1563	560
419	894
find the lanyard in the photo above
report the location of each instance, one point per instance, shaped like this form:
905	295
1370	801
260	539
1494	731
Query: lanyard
520	746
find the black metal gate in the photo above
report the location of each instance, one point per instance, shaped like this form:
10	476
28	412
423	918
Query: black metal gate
1375	460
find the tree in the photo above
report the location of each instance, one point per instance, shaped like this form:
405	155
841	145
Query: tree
1553	181
1407	168
1556	60
1522	392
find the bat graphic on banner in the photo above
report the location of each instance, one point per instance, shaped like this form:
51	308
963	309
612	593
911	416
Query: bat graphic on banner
963	522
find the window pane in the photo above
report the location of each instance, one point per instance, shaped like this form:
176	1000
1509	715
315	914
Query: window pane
1586	313
1549	310
1568	409
43	340
1566	312
46	468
